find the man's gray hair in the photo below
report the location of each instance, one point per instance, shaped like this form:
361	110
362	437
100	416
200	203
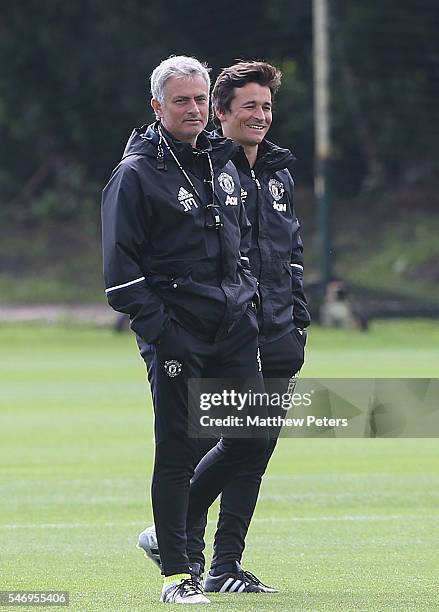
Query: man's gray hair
179	66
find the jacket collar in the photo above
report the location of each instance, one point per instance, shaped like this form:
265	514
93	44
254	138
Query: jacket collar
145	141
272	157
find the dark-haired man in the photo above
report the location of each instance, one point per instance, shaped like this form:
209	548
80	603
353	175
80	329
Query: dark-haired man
242	101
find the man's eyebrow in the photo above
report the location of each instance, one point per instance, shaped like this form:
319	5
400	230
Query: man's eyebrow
255	102
181	97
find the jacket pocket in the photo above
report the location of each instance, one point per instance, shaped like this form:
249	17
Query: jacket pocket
282	294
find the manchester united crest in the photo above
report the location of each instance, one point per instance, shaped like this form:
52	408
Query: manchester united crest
276	188
226	183
172	367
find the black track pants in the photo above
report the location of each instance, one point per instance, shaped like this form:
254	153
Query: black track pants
182	491
281	359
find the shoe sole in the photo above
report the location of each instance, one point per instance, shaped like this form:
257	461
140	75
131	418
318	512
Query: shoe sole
238	592
242	592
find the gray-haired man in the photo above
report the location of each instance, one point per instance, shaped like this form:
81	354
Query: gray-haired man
175	260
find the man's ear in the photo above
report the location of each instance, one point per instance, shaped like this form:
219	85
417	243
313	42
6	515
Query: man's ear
156	107
221	115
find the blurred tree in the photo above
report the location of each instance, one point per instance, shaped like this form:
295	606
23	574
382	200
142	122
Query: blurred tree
67	80
386	85
74	81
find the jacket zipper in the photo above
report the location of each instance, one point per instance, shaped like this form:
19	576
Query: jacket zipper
258	185
254	177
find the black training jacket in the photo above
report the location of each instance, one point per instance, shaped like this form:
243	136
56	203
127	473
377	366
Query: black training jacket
276	254
161	262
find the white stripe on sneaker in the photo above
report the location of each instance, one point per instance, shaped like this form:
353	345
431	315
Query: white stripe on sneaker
241	588
223	589
236	586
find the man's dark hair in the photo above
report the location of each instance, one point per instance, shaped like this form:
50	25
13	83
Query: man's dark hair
239	75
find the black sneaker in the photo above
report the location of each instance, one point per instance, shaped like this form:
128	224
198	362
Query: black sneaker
236	581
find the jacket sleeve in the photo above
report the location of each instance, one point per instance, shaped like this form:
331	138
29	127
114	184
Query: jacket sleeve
125	231
301	314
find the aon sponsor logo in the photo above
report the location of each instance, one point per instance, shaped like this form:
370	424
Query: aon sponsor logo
231	201
280	207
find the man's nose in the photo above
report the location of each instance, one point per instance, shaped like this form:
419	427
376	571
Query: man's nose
258	113
193	107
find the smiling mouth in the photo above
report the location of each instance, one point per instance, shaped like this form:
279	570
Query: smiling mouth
256	127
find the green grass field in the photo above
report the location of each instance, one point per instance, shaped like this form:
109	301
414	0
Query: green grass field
341	525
